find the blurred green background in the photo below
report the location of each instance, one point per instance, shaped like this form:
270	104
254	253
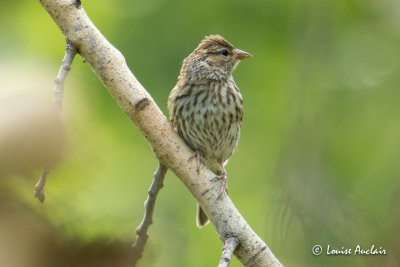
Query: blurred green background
318	158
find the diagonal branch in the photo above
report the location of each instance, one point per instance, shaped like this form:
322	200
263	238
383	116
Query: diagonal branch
141	230
110	67
58	92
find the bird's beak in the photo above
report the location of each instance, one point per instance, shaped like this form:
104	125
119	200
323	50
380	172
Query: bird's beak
242	54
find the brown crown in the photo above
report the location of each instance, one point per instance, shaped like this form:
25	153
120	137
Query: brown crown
212	40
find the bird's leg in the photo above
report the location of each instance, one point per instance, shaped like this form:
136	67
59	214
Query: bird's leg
199	159
224	177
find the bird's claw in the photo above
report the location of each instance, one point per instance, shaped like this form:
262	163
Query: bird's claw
224	187
199	159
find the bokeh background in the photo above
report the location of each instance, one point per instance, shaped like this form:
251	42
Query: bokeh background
318	159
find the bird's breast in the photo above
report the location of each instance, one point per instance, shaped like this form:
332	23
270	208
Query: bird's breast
208	117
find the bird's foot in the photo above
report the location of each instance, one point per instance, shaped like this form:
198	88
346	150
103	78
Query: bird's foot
224	187
199	159
224	177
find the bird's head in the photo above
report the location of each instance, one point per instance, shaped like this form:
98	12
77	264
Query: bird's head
213	59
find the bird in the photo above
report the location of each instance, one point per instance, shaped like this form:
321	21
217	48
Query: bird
206	107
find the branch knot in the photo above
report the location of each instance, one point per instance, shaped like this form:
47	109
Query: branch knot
78	3
141	104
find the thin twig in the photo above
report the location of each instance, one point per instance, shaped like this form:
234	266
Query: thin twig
229	247
70	52
58	95
141	230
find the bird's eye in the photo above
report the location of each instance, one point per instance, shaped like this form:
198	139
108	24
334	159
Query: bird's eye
224	52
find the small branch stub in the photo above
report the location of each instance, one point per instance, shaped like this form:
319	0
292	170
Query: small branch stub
230	245
39	188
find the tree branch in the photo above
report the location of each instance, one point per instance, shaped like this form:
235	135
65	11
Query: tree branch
171	151
141	230
58	92
230	245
